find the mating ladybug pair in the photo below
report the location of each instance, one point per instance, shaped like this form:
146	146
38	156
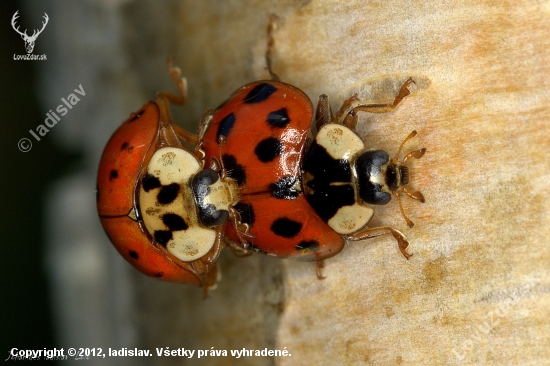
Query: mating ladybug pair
255	181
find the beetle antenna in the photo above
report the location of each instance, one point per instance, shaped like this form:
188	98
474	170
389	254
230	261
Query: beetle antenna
417	154
396	158
409	222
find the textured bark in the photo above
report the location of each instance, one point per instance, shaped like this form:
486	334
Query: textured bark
476	291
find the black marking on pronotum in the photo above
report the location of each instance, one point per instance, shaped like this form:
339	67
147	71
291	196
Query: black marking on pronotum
324	168
163	236
284	188
113	174
368	166
225	126
234	169
286	228
312	245
168	193
278	118
247	212
133	254
138	114
327	198
208	214
174	222
150	182
268	149
260	93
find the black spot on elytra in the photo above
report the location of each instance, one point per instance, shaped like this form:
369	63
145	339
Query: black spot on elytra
268	149
278	118
163	236
234	169
247	213
113	174
260	93
225	126
312	245
150	182
126	146
136	116
286	228
174	222
133	254
168	193
159	274
284	188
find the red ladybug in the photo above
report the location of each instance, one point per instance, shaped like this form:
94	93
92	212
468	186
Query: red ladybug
161	209
296	203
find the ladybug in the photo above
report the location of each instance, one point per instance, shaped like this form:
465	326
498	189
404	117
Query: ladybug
298	203
162	210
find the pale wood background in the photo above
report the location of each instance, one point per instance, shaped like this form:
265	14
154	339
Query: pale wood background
476	291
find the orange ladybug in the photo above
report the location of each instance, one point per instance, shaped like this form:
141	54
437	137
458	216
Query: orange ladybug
162	210
298	202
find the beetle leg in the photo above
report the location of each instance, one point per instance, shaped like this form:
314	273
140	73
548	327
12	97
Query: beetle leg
211	281
268	60
320	265
204	123
183	133
237	250
350	120
386	107
383	230
346	107
181	84
409	222
164	98
240	228
323	113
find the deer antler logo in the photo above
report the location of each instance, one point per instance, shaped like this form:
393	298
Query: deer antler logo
29	41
